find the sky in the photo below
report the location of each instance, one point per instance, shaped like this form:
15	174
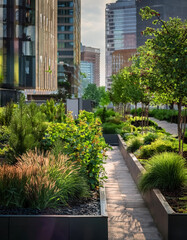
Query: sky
93	28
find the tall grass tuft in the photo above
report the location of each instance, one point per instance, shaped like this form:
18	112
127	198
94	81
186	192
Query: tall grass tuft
165	171
134	144
41	181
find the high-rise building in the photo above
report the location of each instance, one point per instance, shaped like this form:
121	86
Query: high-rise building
166	8
87	76
92	55
120	59
69	40
120	31
28	40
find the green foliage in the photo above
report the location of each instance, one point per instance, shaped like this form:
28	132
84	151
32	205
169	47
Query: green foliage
155	147
97	94
6	114
104	114
4	134
39	181
164	171
83	142
149	138
111	128
54	112
27	127
165	114
134	144
138	113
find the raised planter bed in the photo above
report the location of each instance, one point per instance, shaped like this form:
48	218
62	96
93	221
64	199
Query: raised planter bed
54	227
171	225
111	139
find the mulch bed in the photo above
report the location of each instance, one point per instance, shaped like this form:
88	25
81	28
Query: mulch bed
85	207
177	199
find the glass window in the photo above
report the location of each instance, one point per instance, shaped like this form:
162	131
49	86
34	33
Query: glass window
65	4
65	20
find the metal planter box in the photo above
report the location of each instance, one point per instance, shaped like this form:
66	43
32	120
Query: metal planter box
63	227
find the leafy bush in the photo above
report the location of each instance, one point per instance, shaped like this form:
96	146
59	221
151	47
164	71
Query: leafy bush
134	144
164	171
164	114
111	128
4	134
39	181
138	113
103	114
27	127
6	114
82	142
158	146
149	138
55	112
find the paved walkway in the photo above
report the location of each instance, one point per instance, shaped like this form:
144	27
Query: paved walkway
169	127
129	219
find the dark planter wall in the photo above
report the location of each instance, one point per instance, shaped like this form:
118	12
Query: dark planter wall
53	228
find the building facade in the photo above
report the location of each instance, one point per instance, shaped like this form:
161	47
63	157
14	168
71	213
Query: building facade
87	75
120	59
92	55
69	40
120	31
28	40
166	8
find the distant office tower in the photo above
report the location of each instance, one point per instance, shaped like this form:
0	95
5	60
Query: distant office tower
28	39
69	40
120	59
166	8
92	55
120	31
87	76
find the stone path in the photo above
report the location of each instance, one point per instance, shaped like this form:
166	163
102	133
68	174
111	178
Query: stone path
169	127
128	217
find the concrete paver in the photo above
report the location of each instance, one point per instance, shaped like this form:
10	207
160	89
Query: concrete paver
128	217
169	127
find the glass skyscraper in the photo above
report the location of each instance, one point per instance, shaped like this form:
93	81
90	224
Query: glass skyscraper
28	39
120	31
69	14
166	8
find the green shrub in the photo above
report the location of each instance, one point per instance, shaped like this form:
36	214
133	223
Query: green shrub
39	181
164	171
103	114
82	142
55	112
134	144
111	128
27	128
149	138
138	113
6	114
164	114
158	146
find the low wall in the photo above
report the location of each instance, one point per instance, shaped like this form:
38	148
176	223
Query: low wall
171	225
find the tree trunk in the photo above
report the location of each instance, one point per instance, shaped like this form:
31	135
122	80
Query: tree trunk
184	129
179	126
135	112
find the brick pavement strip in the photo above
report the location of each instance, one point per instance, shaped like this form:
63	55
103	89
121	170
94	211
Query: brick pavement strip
128	217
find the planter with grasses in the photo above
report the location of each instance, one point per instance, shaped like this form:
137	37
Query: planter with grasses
39	182
54	163
171	224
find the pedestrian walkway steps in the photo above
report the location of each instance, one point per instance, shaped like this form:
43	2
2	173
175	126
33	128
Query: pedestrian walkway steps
128	217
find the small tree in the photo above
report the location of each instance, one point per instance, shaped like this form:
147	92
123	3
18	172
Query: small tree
163	61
